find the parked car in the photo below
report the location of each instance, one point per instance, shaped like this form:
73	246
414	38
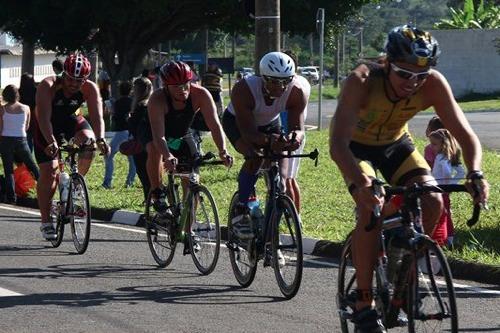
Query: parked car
310	72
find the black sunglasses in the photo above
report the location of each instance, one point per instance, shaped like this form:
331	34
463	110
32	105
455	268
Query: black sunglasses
278	81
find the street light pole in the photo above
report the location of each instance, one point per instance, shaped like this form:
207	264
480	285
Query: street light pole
320	24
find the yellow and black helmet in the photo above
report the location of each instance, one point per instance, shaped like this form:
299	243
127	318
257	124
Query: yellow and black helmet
411	45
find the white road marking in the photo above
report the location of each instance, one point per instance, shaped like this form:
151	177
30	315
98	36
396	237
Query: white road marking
471	289
7	292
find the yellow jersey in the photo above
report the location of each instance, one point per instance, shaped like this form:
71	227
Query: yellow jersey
383	121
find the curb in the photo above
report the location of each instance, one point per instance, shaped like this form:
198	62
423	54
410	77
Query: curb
460	269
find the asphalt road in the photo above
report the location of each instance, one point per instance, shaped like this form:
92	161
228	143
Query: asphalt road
116	287
485	124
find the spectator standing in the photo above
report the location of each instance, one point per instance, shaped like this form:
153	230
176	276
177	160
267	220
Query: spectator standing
212	80
27	95
14	122
433	125
447	169
119	117
57	67
292	167
137	122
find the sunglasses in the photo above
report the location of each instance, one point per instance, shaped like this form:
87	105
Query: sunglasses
78	80
409	75
182	86
276	81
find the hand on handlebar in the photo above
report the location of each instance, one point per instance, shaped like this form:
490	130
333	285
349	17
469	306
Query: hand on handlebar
283	143
479	189
103	146
228	159
170	163
52	149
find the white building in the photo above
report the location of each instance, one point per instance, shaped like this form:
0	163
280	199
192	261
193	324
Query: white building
11	59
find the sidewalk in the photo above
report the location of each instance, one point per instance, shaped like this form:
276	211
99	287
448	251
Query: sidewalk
460	269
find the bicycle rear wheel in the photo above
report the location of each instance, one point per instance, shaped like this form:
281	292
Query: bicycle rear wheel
160	233
56	217
242	254
204	240
78	211
431	295
287	247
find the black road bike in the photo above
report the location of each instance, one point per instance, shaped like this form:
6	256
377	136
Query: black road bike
412	277
278	238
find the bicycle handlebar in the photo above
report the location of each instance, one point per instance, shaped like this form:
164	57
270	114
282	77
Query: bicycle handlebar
200	161
417	190
275	157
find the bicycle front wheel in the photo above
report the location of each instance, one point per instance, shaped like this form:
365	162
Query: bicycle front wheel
287	247
431	295
160	233
57	218
79	213
204	240
242	253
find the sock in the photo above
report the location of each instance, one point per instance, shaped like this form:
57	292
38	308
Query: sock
246	185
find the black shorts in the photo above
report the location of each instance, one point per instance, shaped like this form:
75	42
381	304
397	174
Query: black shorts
62	126
233	133
398	161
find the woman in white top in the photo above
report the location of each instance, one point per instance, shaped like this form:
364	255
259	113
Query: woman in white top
14	122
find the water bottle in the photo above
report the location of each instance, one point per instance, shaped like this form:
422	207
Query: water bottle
256	213
64	185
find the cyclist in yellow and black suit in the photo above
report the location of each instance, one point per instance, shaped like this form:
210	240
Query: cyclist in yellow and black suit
369	130
57	100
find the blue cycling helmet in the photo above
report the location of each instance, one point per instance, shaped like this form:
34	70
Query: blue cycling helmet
413	46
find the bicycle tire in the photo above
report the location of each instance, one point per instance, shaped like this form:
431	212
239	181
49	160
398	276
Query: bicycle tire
55	216
78	212
286	245
241	253
160	235
431	295
204	238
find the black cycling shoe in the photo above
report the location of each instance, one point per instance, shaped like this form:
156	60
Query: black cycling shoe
367	320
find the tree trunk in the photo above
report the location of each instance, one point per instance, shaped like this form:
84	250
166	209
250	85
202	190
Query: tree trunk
28	58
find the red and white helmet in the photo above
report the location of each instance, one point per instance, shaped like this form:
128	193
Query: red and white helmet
77	66
175	72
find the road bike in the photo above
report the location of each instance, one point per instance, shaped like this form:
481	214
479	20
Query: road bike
73	206
193	221
411	274
278	237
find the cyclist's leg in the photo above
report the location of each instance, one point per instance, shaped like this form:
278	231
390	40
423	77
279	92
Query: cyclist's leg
82	132
414	169
364	249
46	184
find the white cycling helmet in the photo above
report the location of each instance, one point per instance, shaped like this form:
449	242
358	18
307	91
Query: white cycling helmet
277	64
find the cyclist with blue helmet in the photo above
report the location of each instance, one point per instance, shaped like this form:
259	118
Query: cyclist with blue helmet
370	130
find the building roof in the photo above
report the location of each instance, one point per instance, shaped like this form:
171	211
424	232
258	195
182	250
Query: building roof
18	50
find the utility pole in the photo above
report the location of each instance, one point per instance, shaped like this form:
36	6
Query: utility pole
320	26
267	28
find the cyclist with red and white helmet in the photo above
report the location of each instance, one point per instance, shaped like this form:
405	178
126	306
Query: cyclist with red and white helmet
370	129
251	121
171	110
58	100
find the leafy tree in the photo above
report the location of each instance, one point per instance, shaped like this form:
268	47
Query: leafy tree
471	17
124	31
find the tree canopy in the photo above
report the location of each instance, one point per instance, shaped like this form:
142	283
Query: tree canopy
124	31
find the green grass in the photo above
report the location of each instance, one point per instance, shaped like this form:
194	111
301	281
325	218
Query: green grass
327	208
